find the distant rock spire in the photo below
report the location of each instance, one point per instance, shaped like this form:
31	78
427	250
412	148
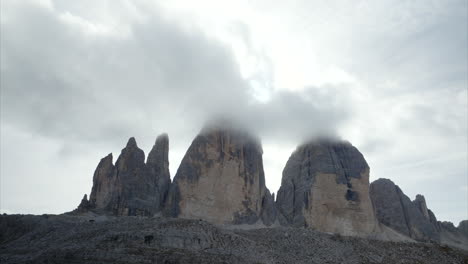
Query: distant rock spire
158	165
420	203
395	210
131	187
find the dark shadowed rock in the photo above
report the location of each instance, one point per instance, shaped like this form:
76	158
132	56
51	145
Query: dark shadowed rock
389	209
104	183
135	190
420	203
325	186
158	166
84	205
395	210
221	180
269	211
132	187
433	220
463	227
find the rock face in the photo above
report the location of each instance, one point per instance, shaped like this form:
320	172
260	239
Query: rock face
420	203
395	210
84	205
463	227
132	187
158	166
412	218
325	186
221	180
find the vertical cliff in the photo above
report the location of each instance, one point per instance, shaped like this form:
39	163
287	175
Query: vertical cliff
395	210
325	186
131	186
221	180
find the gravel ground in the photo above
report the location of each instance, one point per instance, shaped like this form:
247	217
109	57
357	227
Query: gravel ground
102	239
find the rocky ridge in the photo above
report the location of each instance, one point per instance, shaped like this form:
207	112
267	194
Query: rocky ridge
325	187
131	186
412	218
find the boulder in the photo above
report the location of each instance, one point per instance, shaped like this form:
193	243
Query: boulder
221	180
325	186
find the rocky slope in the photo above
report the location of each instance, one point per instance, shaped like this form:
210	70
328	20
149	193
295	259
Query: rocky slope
325	186
221	180
107	239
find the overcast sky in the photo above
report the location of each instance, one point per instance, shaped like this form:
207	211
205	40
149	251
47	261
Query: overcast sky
78	78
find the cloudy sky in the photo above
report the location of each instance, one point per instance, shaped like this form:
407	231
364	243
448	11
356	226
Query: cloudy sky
78	78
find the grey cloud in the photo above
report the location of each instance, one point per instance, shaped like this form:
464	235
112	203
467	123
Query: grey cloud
86	92
79	87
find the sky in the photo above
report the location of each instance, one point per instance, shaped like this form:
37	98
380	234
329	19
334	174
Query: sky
78	78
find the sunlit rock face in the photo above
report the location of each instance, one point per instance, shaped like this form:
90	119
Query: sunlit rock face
325	186
221	180
131	186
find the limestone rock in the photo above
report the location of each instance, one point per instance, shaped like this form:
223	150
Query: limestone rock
84	205
131	187
395	210
158	166
452	236
389	210
325	186
463	227
433	220
221	180
104	183
420	203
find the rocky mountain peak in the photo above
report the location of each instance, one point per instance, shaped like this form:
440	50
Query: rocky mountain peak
132	187
160	151
158	165
463	227
325	185
131	143
420	203
221	179
394	209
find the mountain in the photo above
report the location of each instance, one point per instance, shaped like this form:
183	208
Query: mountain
413	218
218	209
325	186
131	186
221	180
